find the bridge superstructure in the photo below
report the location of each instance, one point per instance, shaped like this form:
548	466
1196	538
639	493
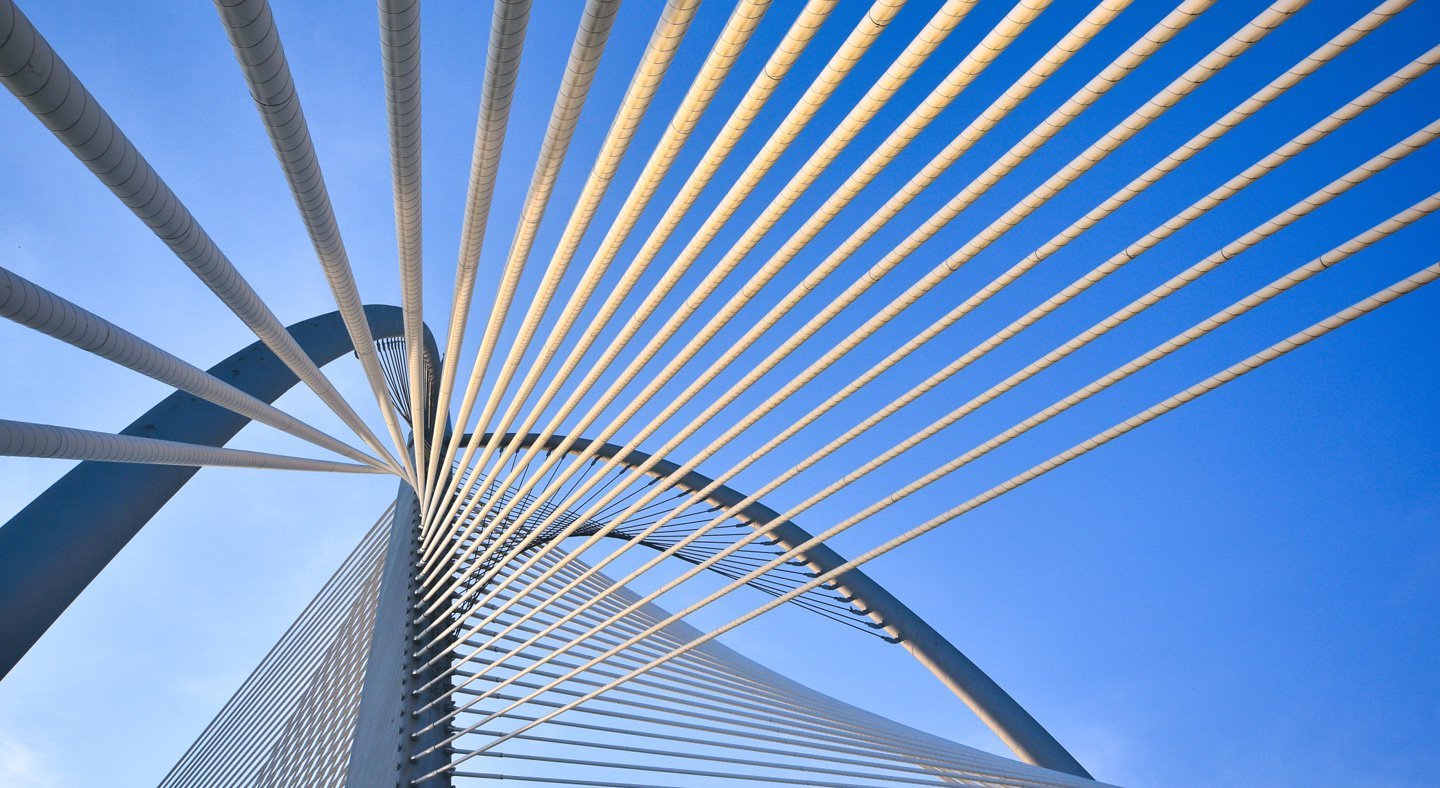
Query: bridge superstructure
481	630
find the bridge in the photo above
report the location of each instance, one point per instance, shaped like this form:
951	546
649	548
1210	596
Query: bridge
612	449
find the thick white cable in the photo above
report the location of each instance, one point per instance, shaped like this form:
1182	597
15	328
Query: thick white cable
879	94
590	39
1234	372
1265	230
703	88
669	31
820	89
33	306
1295	277
27	439
1161	33
1184	218
32	70
701	92
915	54
400	53
256	42
508	22
949	89
1189	149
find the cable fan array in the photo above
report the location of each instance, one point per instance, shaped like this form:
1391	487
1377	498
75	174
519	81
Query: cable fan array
756	295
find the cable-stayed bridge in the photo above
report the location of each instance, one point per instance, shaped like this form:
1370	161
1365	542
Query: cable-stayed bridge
745	274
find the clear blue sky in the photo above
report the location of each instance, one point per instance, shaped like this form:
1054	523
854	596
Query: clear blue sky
1243	593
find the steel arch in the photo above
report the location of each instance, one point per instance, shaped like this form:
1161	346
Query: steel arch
992	704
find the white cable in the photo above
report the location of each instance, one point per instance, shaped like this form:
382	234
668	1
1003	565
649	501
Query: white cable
716	67
864	111
33	306
820	89
585	54
669	31
1300	209
32	70
509	19
1158	36
26	439
1250	364
256	42
1187	150
400	52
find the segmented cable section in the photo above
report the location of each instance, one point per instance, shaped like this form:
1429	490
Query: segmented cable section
33	306
509	19
27	439
32	70
256	42
400	55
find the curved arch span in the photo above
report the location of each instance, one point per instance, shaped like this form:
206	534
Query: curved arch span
992	704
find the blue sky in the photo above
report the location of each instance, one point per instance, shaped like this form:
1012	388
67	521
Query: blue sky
1243	593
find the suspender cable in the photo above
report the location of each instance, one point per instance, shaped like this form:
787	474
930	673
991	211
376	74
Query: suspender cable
1298	144
875	98
1252	363
26	439
713	72
879	94
942	96
1338	187
256	42
701	92
828	715
1289	216
670	30
590	40
1171	24
280	670
400	52
838	67
509	19
1024	207
32	70
31	305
